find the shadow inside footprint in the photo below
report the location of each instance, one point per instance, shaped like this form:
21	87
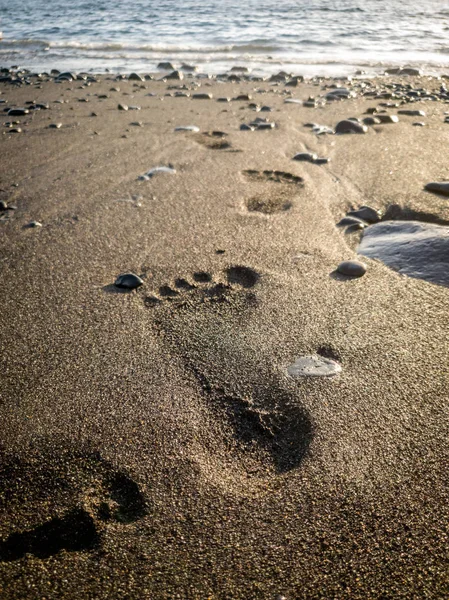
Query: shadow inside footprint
244	276
77	483
271	421
74	532
130	501
276	176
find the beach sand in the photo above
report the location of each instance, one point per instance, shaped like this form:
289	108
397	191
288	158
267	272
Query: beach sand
153	444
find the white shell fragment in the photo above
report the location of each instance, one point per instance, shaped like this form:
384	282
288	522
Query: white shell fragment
314	366
187	128
149	174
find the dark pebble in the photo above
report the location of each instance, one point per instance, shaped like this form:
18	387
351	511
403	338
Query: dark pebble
128	281
352	268
349	126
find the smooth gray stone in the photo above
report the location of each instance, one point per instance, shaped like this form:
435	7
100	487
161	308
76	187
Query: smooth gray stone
136	77
245	127
202	96
439	187
128	281
314	365
55	126
413	248
412	113
348	126
366	213
350	221
223	99
387	118
243	98
352	268
122	107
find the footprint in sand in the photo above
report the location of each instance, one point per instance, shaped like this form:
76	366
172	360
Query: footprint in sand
214	140
275	200
203	287
101	494
266	423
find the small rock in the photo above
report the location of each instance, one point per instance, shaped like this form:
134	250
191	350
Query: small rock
122	107
349	126
55	126
202	96
412	113
223	99
33	224
350	221
387	118
18	112
245	127
314	366
366	213
175	75
128	281
135	77
352	268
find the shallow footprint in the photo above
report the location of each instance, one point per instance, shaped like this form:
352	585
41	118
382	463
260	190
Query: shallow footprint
264	429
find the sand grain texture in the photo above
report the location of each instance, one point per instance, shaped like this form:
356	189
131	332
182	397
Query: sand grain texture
162	422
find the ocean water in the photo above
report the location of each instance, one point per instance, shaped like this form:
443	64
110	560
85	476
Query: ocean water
323	37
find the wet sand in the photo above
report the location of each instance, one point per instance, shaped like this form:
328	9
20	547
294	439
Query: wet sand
153	443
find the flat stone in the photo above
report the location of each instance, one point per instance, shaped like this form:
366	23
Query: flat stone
202	96
33	224
439	187
55	126
366	213
387	118
245	127
412	113
314	365
413	248
293	101
352	268
128	281
306	157
349	126
223	99
350	221
419	124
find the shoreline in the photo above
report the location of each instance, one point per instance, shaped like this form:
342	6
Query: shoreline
158	442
